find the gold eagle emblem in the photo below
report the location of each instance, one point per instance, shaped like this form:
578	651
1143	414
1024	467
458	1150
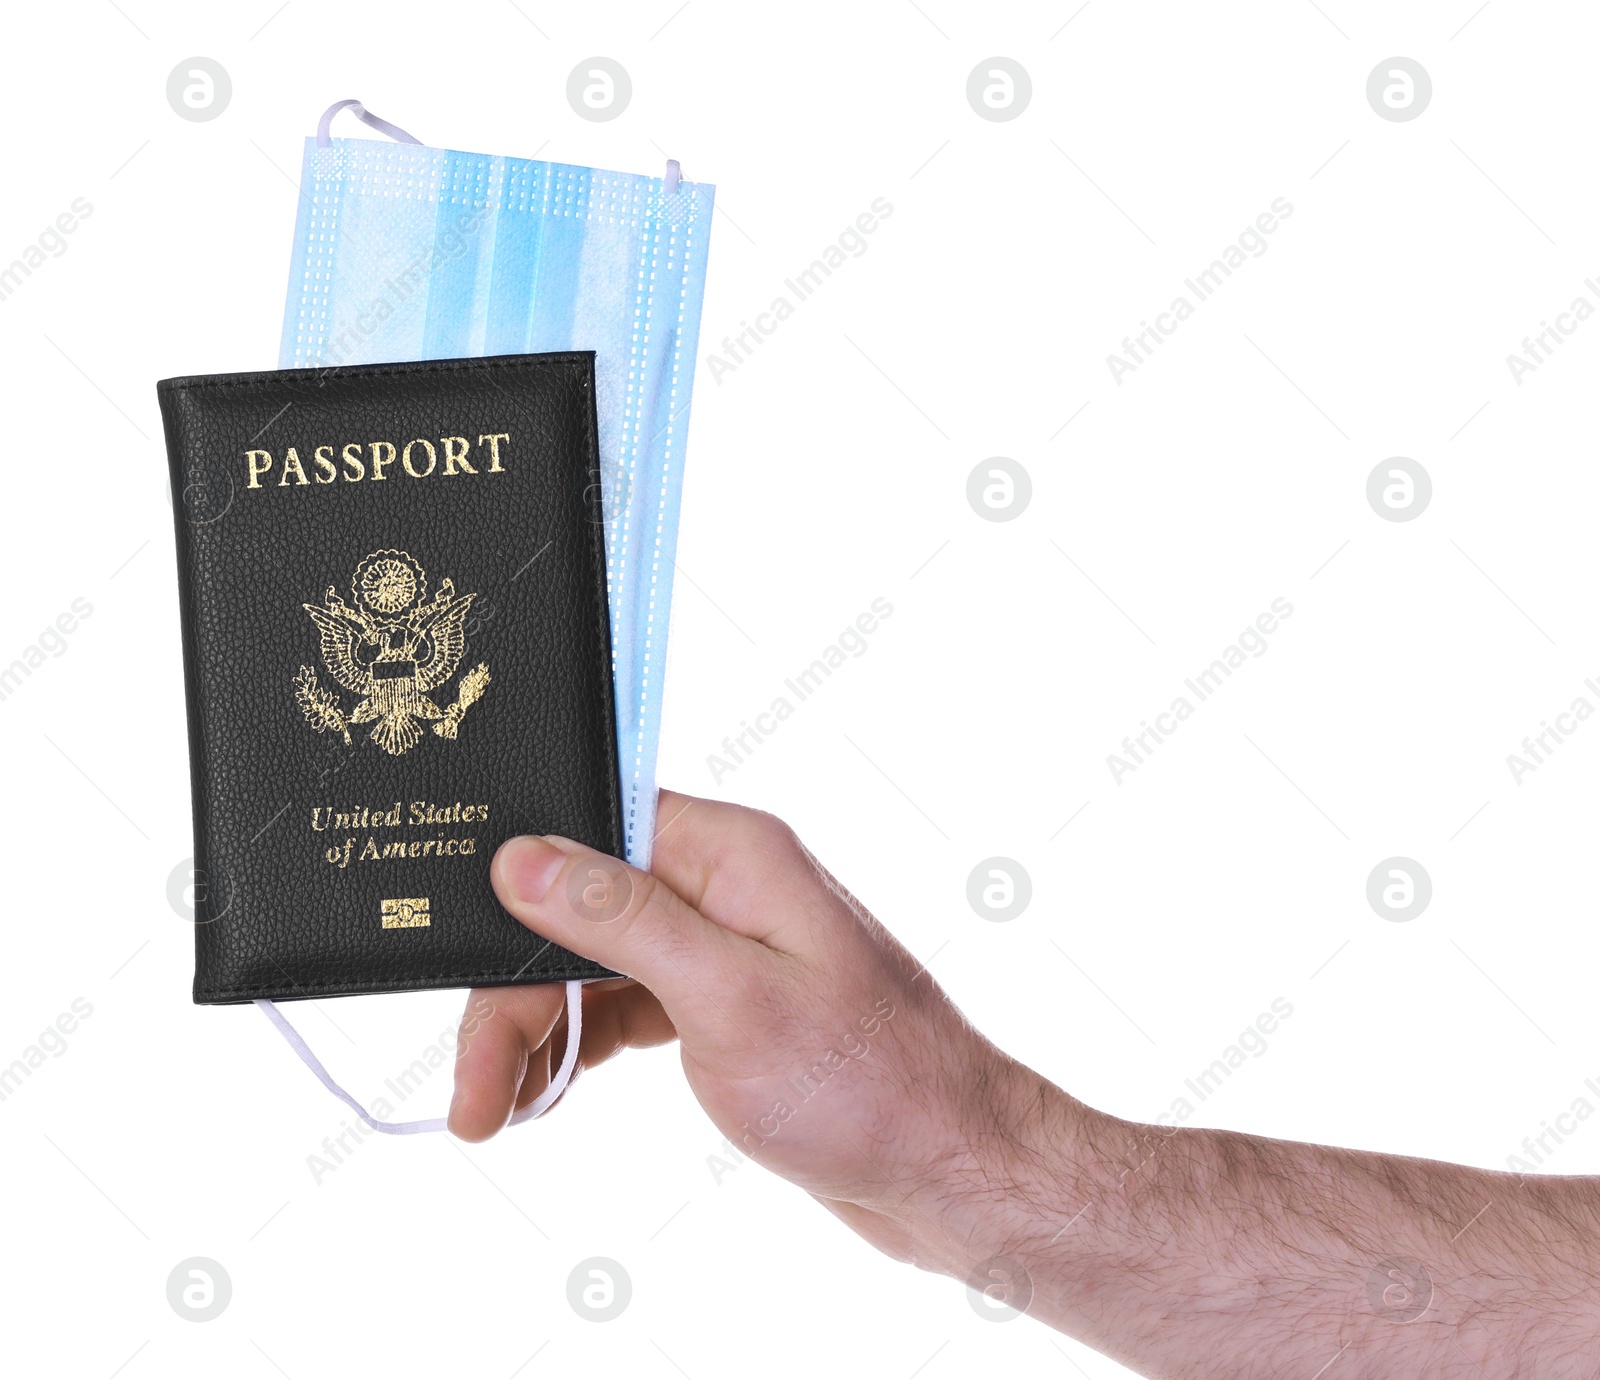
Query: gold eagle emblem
392	647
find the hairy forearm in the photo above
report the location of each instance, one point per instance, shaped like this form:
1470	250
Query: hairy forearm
1195	1253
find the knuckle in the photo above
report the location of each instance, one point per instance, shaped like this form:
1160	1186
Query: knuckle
655	923
646	898
766	833
650	916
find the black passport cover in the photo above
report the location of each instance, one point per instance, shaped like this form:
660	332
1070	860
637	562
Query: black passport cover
393	593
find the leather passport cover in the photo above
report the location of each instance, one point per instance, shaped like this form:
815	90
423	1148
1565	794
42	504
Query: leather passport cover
392	583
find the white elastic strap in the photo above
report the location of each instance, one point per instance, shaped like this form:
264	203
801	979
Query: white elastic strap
669	183
361	113
539	1105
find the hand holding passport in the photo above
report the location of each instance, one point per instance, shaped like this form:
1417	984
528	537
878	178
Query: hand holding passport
426	569
393	589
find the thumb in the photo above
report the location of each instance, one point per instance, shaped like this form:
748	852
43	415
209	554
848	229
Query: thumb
601	908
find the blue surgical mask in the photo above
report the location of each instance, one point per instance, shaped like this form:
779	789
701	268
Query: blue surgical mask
403	252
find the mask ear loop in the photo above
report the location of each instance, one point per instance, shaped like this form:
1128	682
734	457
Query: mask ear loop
538	1107
669	183
362	113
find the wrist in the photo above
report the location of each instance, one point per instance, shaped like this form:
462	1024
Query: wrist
1015	1179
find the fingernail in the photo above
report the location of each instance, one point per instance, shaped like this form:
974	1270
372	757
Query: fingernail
529	865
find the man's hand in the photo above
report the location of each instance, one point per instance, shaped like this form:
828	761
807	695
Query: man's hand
824	1051
816	1043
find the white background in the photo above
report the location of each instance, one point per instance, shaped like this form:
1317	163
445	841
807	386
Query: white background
1167	513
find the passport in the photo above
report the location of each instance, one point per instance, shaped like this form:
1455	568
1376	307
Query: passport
392	593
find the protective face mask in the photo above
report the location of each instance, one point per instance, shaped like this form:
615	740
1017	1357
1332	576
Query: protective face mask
404	252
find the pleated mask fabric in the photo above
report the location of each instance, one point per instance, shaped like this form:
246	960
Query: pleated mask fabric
405	252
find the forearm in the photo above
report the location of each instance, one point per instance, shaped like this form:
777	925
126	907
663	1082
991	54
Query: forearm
1182	1253
1201	1253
